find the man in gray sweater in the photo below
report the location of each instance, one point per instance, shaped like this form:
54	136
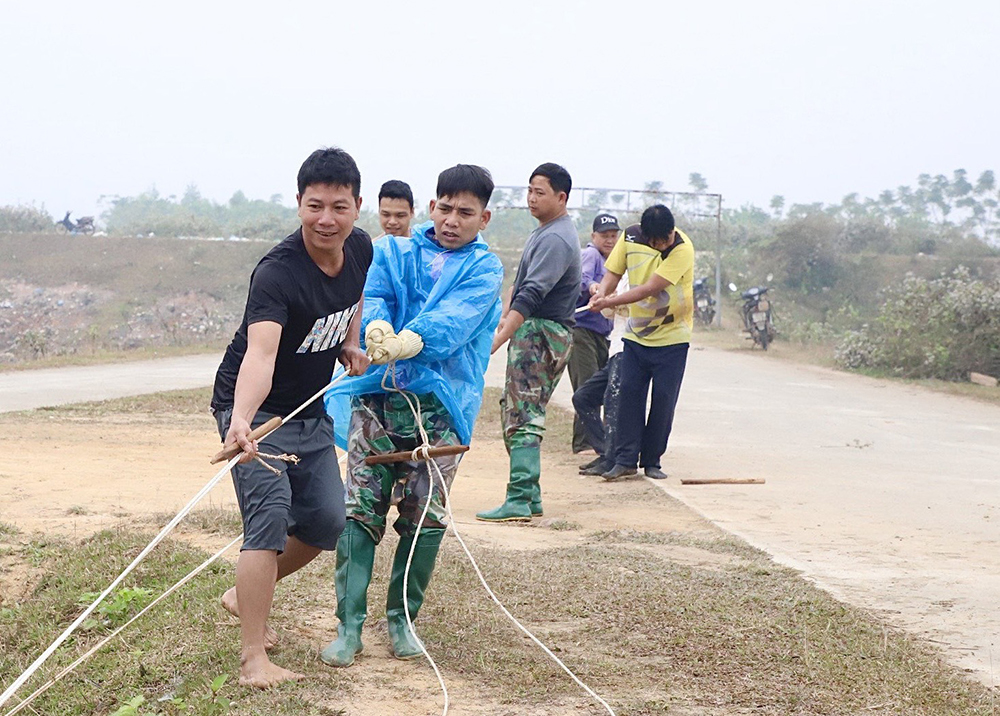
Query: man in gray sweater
538	321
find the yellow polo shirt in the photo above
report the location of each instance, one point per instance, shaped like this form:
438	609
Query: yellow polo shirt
665	318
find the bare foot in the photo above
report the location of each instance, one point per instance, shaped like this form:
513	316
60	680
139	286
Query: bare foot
257	670
230	604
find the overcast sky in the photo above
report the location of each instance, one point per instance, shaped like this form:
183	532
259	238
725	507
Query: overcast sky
808	99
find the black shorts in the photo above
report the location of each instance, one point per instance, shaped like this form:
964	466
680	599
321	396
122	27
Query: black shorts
306	500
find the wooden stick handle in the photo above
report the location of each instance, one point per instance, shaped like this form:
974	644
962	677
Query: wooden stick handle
723	481
255	434
408	455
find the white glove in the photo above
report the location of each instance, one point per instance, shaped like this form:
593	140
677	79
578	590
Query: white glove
376	330
386	350
412	344
384	345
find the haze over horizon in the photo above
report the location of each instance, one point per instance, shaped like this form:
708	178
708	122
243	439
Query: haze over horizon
809	101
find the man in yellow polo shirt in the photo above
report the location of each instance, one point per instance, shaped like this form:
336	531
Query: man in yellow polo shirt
659	259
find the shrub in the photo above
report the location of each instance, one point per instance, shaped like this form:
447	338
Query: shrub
24	219
939	328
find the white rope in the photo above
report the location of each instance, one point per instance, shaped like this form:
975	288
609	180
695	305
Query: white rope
420	523
118	580
19	681
93	650
451	519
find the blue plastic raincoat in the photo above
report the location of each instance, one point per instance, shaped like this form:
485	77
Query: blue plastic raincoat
452	300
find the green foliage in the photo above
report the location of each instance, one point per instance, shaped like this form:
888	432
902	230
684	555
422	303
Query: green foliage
24	219
803	252
206	702
939	328
193	215
130	708
117	608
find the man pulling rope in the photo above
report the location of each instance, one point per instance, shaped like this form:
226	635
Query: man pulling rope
431	304
302	315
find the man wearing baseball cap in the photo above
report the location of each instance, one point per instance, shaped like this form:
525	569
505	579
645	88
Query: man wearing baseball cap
590	336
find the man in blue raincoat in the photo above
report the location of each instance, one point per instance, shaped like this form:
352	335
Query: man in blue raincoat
431	305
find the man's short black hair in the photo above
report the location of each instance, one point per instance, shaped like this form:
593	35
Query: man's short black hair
657	222
558	177
396	189
330	165
466	178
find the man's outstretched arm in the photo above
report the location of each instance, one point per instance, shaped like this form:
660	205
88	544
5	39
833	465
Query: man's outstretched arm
253	383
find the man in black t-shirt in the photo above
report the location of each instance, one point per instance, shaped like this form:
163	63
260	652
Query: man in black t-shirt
303	313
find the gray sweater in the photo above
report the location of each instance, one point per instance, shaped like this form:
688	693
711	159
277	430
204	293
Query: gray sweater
547	283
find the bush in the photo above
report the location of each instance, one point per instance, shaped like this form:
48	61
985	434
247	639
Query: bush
940	328
24	219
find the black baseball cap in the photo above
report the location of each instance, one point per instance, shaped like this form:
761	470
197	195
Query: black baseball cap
606	222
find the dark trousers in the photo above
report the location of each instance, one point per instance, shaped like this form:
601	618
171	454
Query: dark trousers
601	389
643	438
588	355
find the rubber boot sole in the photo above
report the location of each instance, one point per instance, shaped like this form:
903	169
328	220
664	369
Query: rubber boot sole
506	519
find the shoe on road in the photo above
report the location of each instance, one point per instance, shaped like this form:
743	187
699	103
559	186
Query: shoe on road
655	473
599	469
593	463
618	472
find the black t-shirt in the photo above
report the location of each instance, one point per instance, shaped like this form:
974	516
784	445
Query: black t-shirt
314	311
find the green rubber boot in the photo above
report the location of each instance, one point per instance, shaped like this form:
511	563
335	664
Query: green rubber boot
536	500
404	641
355	557
525	469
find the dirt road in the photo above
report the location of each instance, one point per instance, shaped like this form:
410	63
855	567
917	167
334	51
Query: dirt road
886	495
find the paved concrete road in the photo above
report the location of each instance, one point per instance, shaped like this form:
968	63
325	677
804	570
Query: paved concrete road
886	495
24	390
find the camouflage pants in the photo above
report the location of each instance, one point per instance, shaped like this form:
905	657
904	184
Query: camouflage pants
384	423
536	356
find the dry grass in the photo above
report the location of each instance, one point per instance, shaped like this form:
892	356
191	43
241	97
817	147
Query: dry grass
651	634
171	403
658	622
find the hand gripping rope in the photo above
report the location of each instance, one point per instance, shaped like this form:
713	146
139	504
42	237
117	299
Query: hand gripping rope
426	452
233	453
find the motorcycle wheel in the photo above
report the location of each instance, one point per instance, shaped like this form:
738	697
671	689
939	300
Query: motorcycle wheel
87	229
763	338
61	229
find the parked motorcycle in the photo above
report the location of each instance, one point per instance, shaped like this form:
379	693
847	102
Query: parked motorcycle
758	319
704	302
85	225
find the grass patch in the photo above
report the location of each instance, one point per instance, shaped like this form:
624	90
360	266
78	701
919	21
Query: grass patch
213	520
722	544
8	530
563	525
194	401
174	652
648	632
